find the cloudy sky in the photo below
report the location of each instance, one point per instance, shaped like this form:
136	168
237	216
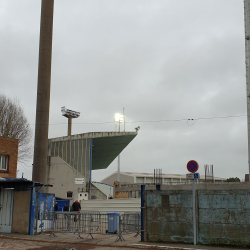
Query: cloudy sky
164	61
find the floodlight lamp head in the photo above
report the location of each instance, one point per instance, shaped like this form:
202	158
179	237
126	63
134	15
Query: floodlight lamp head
119	117
137	128
69	113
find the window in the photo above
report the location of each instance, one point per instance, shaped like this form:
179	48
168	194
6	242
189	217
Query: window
149	180
140	179
69	194
167	180
3	162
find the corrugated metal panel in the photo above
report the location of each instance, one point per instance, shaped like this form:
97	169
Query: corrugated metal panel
6	211
74	152
67	152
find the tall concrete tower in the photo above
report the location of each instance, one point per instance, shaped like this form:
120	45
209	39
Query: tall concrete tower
43	93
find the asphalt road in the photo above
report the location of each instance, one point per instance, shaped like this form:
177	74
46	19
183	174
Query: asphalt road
100	242
11	244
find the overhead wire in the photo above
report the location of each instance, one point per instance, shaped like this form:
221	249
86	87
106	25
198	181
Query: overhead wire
152	121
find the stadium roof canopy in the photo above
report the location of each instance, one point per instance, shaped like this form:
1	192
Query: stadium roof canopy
106	146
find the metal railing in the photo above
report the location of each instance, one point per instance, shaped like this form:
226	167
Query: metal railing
89	223
131	223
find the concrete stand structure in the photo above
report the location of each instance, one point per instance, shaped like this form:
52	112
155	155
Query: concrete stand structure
43	93
76	156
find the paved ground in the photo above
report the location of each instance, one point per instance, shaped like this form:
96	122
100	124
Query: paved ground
100	242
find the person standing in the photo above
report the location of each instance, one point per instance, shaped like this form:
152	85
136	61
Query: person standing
76	207
56	209
66	216
65	208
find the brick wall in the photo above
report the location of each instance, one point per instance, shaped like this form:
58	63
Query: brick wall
9	147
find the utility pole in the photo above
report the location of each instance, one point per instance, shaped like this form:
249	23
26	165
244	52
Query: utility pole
43	93
247	54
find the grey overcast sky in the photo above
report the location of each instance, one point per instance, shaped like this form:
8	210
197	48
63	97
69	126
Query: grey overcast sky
159	59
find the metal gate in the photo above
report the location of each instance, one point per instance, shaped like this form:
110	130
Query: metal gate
6	210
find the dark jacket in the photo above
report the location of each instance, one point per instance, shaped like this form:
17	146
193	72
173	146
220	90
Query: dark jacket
76	206
65	208
56	207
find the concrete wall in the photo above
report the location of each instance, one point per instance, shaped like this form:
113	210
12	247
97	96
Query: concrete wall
201	186
169	216
223	216
62	177
124	179
21	212
9	147
95	193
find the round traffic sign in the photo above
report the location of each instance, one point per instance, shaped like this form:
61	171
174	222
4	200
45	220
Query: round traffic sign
192	166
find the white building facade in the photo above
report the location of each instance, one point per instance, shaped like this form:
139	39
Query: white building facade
148	178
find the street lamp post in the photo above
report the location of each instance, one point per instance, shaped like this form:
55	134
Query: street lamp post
119	118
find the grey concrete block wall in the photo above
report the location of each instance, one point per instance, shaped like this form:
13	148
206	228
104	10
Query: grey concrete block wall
223	216
169	216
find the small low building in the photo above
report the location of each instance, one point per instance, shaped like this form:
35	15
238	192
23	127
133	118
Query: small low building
18	205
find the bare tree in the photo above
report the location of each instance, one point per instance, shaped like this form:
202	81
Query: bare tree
14	124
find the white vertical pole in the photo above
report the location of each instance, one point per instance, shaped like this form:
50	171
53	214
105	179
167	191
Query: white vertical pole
118	169
247	54
194	212
118	172
124	119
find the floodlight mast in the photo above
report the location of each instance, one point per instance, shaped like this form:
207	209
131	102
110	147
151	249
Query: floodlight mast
69	114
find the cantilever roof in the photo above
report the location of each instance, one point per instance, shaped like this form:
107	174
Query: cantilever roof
106	149
106	146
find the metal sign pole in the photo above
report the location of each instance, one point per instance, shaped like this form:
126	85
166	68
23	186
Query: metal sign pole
194	214
192	167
